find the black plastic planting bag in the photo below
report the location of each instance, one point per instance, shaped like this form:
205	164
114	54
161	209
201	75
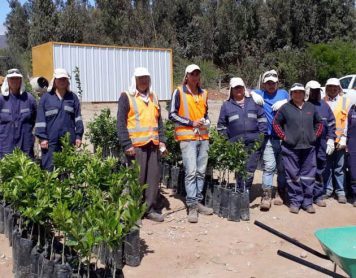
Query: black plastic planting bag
234	206
245	205
35	254
24	257
62	271
181	183
132	248
45	267
10	224
2	213
166	174
103	253
116	258
174	177
216	198
16	236
224	202
209	199
6	222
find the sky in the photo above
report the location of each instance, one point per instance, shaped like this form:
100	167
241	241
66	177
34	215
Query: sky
4	10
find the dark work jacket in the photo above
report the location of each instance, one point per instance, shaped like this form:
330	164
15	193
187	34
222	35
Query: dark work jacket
56	117
298	128
328	119
17	119
238	123
351	130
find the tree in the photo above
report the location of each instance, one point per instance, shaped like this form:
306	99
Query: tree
73	21
17	26
43	22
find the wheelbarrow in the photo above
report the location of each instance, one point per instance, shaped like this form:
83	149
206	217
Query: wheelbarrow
339	245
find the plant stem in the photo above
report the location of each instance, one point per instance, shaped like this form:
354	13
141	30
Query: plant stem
52	252
64	244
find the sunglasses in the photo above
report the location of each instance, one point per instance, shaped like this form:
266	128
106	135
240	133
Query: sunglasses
13	71
271	74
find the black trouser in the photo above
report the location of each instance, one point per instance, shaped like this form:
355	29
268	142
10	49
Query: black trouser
148	159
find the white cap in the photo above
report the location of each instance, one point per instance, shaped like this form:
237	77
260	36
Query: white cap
270	75
236	81
297	87
312	84
333	82
14	73
191	68
141	72
60	73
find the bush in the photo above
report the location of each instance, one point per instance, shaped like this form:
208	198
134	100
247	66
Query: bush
333	59
102	133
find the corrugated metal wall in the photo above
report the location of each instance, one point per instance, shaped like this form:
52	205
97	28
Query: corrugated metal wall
105	72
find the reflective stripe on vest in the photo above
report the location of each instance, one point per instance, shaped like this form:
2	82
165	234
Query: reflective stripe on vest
183	132
141	135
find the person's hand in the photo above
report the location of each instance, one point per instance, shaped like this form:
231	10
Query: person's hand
44	144
279	104
198	123
130	151
342	143
78	143
257	98
162	148
330	146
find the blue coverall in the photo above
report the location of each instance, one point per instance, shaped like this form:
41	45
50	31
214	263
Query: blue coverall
17	119
56	117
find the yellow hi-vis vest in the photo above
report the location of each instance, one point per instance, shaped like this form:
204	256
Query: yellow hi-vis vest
193	108
340	113
142	120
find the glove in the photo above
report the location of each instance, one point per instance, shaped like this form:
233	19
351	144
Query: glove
257	98
342	143
279	104
330	146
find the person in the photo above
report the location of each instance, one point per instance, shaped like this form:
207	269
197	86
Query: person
325	143
58	113
18	110
141	135
299	125
334	175
351	146
189	112
272	98
241	119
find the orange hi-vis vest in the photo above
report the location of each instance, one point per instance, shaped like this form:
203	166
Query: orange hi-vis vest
340	113
192	107
142	120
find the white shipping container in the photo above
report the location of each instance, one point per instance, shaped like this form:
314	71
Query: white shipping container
105	71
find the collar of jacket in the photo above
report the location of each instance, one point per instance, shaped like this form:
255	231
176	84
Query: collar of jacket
151	93
185	89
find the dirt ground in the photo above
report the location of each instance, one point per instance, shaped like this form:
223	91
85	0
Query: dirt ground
215	247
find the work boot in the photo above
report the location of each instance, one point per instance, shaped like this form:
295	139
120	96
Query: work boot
294	209
277	200
154	216
310	209
204	210
320	203
341	199
193	214
266	200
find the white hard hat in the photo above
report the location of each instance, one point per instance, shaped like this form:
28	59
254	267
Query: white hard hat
270	75
60	73
191	68
141	72
14	73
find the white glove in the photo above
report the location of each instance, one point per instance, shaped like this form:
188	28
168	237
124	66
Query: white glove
330	146
342	143
257	98
279	104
